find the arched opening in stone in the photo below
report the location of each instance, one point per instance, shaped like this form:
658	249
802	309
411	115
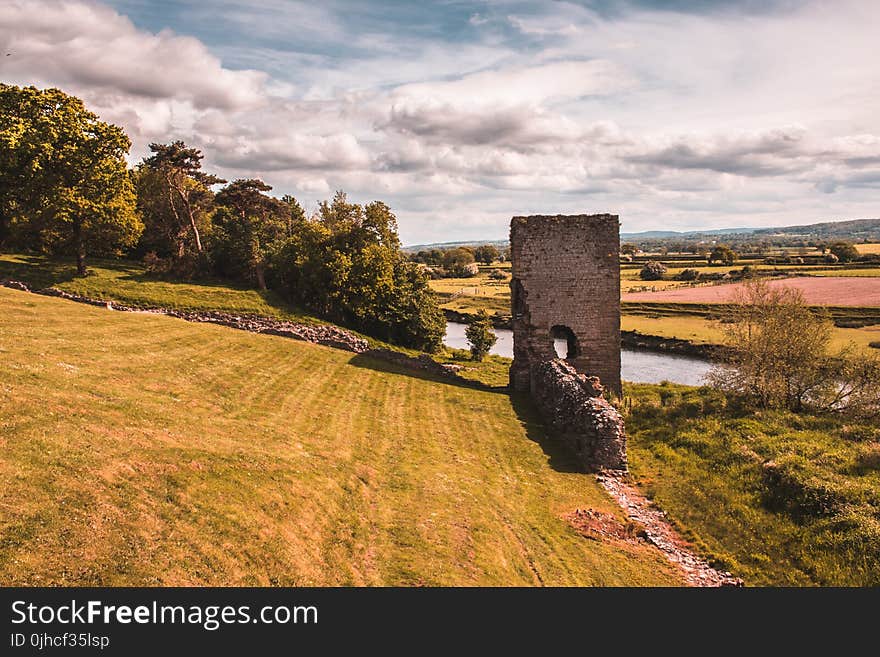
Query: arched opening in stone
564	342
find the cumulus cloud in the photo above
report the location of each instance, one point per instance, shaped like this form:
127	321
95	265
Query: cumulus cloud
89	46
770	153
677	119
523	85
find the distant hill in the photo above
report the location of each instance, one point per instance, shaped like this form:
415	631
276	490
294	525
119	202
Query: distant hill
665	234
501	244
856	230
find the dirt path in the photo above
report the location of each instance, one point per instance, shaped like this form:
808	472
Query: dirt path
659	532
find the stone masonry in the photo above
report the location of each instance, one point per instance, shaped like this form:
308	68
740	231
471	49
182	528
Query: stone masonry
576	413
566	284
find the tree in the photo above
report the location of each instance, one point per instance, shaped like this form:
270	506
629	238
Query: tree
457	262
486	253
186	186
479	335
780	356
628	249
251	227
64	179
295	213
652	271
722	255
346	265
844	251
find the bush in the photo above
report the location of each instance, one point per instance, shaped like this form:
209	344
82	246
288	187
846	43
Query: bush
155	264
790	487
652	271
497	275
688	275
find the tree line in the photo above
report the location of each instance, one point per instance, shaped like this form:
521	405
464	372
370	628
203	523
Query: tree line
66	189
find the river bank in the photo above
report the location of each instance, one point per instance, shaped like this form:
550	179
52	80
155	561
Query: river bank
636	364
628	339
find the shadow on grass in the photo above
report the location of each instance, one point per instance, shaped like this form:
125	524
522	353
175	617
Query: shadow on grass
38	271
558	456
371	362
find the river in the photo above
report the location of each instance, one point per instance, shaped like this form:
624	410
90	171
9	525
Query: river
635	365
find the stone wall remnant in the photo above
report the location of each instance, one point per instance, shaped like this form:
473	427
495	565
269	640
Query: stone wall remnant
575	412
565	290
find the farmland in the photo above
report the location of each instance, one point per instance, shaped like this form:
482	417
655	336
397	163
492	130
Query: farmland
834	291
682	310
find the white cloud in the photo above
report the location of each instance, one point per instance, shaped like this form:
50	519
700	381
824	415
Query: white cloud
88	46
679	120
520	86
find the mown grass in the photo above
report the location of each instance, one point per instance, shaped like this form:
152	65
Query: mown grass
138	449
778	498
128	282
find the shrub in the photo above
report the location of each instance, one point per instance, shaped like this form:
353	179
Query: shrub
652	271
688	275
155	264
497	275
790	487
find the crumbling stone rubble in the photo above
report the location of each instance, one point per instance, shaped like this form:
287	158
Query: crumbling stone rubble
658	531
574	410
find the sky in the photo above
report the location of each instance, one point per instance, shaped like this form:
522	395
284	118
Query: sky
675	115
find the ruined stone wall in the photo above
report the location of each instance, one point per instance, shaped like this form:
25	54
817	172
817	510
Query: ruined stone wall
566	282
573	410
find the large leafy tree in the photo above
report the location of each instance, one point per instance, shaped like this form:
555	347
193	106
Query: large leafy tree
64	183
251	227
186	186
346	265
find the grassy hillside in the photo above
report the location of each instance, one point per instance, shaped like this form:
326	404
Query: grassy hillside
778	498
128	282
141	449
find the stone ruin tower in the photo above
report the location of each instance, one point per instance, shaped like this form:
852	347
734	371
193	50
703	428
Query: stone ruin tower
566	285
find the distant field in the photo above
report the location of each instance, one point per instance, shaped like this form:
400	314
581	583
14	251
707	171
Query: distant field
705	331
139	449
836	291
868	248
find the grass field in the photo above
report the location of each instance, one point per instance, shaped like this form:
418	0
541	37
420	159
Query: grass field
705	331
866	249
127	282
138	449
778	498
